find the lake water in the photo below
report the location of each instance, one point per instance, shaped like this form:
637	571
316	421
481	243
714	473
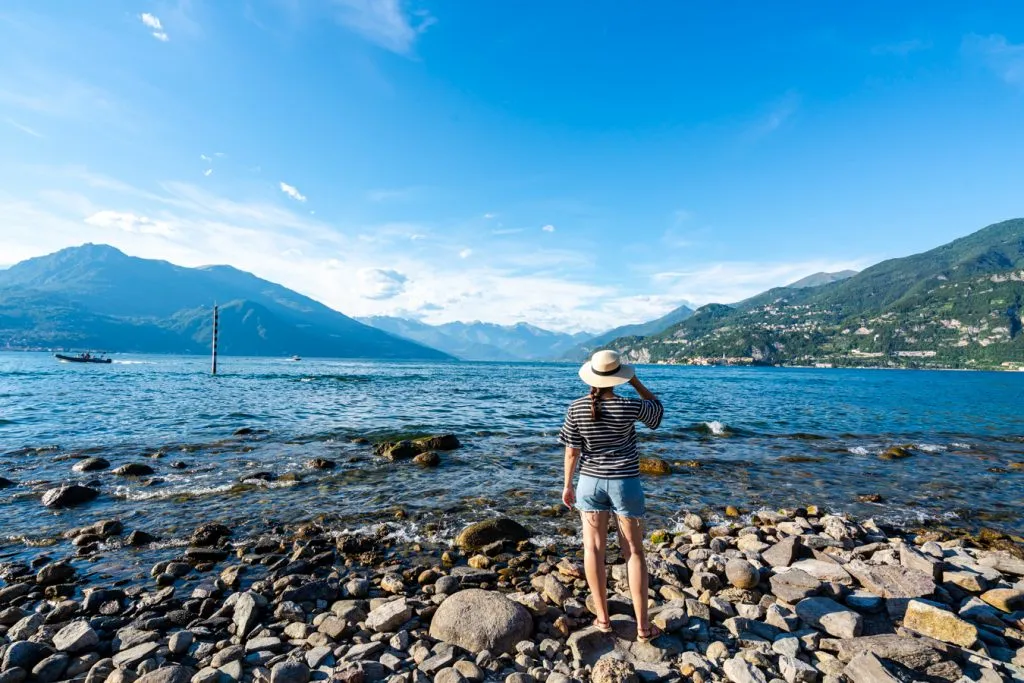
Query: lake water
748	437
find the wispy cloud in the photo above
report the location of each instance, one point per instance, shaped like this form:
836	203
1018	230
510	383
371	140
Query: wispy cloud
1006	59
129	222
548	228
489	215
383	22
292	192
902	48
781	111
465	253
25	129
153	22
208	172
380	284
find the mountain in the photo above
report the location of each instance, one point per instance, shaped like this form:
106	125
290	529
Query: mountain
580	352
956	306
819	279
482	341
96	297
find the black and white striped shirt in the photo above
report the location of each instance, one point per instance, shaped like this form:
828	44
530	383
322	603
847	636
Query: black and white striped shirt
609	443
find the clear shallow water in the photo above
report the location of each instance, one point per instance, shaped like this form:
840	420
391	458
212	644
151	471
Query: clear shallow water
732	432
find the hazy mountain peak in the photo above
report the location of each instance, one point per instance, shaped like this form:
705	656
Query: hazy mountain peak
822	278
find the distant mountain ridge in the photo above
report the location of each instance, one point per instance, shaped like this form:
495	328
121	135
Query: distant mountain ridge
482	341
97	297
819	279
581	351
956	306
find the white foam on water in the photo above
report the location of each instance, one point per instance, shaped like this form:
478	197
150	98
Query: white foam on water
134	362
931	447
130	494
716	427
859	450
960	444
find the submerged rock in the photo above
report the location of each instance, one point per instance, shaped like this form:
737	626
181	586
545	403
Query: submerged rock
439	442
428	459
210	534
655	466
91	465
134	470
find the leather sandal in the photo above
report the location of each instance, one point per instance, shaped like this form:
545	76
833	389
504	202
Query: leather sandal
646	635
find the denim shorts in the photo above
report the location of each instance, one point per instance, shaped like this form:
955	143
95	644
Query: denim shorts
624	497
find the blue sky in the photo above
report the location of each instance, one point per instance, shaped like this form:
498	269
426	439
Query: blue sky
572	164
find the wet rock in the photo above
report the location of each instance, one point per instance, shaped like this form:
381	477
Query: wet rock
402	450
794	585
439	442
1005	599
654	466
388	617
289	671
15	675
69	495
57	572
742	574
896	453
428	459
139	538
134	470
167	674
935	621
91	465
321	464
477	620
476	536
611	670
829	616
75	637
207	535
6	483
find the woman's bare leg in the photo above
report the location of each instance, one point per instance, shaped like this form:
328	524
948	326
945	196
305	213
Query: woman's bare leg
631	535
595	543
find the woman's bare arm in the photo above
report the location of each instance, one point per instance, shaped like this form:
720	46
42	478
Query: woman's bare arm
572	457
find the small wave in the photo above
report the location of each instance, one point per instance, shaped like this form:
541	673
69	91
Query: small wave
959	444
931	447
130	494
134	362
859	450
715	427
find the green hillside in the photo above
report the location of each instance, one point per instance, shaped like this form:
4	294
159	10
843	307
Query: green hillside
956	306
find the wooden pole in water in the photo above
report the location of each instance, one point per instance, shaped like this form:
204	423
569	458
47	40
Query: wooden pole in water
215	318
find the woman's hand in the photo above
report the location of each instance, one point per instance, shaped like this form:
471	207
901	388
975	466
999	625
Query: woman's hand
569	496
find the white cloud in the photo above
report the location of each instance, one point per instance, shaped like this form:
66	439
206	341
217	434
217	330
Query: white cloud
465	253
129	222
205	158
383	22
1006	59
208	172
154	23
292	192
548	228
380	284
25	129
489	215
778	114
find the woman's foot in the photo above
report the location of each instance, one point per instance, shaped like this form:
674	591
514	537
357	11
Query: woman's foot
646	635
603	626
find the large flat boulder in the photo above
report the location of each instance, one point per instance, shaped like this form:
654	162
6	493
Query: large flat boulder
892	581
794	585
912	653
935	621
477	620
831	617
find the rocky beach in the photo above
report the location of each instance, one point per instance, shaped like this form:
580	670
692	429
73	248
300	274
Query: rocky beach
796	595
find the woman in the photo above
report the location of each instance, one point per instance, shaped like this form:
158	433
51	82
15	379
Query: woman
599	433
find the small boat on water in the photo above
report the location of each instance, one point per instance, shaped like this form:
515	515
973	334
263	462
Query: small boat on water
82	358
294	358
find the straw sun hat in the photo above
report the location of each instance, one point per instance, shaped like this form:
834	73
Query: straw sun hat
605	369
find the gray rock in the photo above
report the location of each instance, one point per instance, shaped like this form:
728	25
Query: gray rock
68	495
361	651
100	671
449	675
289	671
233	670
796	670
206	675
25	655
246	614
935	621
91	465
478	620
26	628
783	553
589	645
794	585
133	656
739	670
15	675
390	616
167	674
829	572
831	617
51	669
180	642
556	591
480	534
742	574
912	653
75	637
446	585
867	668
612	670
912	558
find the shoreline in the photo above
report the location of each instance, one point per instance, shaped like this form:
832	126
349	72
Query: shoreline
793	594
